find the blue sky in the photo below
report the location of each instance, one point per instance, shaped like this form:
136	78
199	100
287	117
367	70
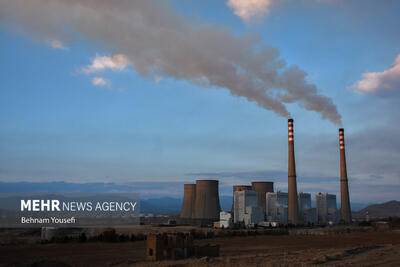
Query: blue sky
161	126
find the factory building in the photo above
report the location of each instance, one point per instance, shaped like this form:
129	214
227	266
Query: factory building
326	208
277	207
246	209
253	215
307	214
237	188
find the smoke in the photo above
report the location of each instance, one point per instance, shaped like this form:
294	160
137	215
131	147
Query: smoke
158	43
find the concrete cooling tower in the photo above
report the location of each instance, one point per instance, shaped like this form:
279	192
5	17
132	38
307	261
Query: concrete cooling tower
189	198
207	206
262	188
237	188
344	187
293	209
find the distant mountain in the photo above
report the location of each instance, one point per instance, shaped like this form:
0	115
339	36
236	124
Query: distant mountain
384	210
162	205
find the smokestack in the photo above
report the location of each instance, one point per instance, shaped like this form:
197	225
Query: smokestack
189	197
344	187
262	188
237	188
292	184
207	205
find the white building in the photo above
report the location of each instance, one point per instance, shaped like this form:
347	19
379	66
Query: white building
246	209
277	207
225	219
326	208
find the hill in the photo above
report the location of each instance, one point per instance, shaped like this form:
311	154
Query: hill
384	210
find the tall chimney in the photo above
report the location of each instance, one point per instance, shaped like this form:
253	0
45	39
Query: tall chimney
292	184
207	206
189	197
344	187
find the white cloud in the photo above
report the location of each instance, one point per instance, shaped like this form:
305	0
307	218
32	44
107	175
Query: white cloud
115	62
250	9
380	81
100	81
56	44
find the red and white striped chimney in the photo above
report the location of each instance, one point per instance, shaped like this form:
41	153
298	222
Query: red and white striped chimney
292	183
345	209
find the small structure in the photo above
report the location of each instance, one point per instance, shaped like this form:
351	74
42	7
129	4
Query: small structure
176	246
225	219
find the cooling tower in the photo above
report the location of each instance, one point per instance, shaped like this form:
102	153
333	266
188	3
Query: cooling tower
237	188
262	188
292	184
207	205
189	197
344	187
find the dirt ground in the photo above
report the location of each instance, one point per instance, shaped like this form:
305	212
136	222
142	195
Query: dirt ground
356	249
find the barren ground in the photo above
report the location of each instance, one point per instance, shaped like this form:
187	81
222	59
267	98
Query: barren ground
357	249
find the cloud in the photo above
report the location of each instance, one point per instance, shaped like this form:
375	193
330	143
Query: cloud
250	9
57	44
100	63
373	82
158	42
100	81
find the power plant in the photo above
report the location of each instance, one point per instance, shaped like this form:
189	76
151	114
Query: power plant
344	187
201	203
293	211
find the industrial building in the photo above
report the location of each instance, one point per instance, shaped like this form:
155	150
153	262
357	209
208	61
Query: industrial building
277	207
246	209
326	208
253	215
237	188
307	214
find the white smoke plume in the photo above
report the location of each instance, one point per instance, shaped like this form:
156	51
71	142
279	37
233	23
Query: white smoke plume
158	43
